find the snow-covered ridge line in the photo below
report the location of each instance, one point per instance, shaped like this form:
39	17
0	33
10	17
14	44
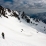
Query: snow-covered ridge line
20	29
7	12
22	17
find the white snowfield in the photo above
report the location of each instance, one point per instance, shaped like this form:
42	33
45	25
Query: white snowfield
12	28
21	33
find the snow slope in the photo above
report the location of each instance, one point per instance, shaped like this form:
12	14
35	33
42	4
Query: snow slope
19	32
12	28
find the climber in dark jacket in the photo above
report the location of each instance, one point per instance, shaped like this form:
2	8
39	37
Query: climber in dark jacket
3	35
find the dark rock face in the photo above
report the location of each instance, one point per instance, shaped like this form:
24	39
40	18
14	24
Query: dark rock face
28	20
8	10
2	12
18	18
31	22
23	16
14	14
37	20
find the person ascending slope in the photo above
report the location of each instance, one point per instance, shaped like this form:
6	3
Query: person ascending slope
3	35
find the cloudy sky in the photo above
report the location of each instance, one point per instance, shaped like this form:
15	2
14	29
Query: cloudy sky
29	6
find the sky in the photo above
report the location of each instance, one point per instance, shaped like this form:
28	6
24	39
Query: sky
29	6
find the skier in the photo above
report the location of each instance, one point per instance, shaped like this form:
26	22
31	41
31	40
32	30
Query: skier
22	30
3	35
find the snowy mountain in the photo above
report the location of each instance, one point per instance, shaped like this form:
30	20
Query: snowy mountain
20	29
41	16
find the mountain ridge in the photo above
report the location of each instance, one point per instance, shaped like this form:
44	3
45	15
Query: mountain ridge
41	16
21	30
22	17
